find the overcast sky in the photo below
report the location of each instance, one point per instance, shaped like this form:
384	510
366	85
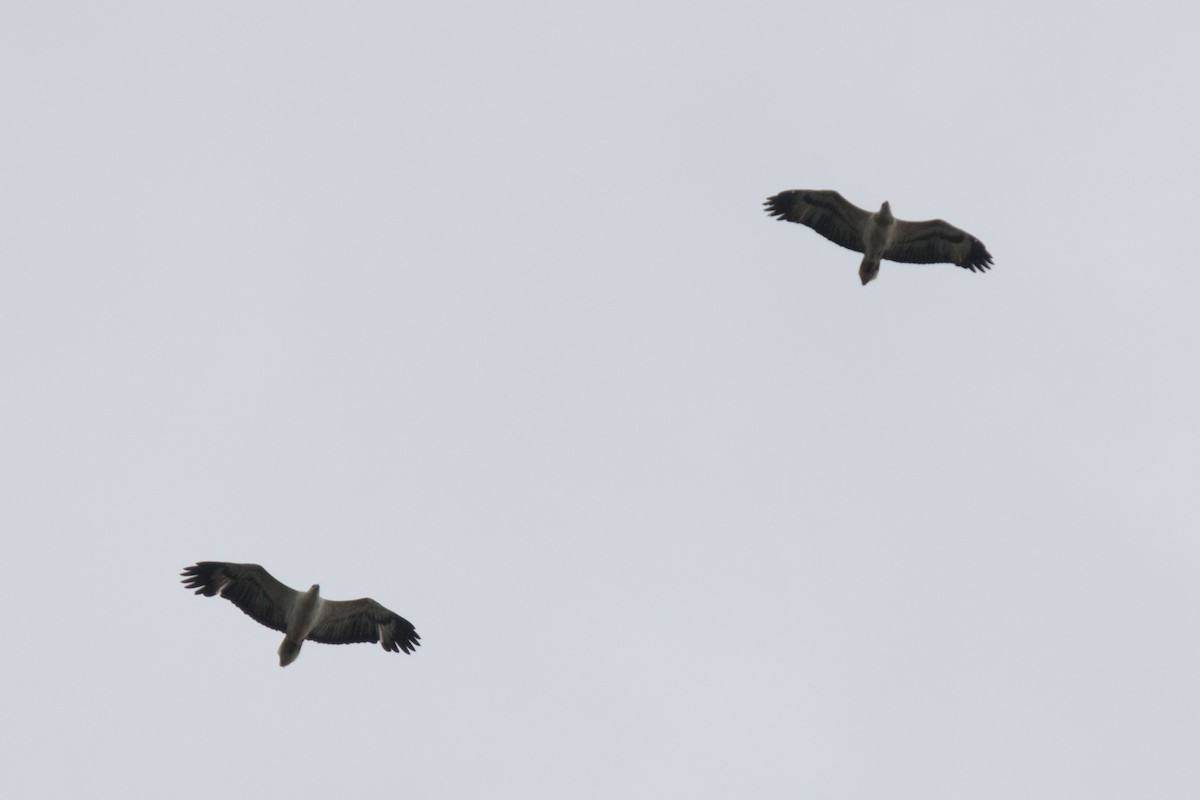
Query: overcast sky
473	308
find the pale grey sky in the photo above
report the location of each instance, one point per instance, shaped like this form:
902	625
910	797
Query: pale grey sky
473	308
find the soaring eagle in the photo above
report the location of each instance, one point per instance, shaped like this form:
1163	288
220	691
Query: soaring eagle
879	235
300	615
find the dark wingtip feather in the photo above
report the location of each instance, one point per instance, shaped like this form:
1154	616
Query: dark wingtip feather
405	639
780	205
979	259
199	576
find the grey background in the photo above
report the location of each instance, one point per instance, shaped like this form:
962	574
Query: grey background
473	308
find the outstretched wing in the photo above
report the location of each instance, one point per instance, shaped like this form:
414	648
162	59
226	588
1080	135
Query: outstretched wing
248	586
825	211
350	621
936	242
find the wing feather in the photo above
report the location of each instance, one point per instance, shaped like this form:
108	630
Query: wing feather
936	241
248	586
825	211
364	620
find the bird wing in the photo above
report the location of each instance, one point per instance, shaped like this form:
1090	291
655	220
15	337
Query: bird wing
248	586
364	620
825	211
936	241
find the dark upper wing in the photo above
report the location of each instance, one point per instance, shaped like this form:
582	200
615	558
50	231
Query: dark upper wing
936	242
825	211
350	621
248	586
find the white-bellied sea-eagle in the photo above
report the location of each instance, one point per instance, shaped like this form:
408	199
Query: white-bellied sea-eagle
879	235
300	615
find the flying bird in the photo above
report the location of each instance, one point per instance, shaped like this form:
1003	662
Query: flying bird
879	235
300	615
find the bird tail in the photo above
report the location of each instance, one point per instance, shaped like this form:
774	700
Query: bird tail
289	651
868	269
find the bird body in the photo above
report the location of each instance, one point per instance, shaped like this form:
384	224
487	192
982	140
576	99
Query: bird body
304	615
300	616
879	236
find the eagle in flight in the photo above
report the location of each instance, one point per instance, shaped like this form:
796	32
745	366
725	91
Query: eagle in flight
300	615
879	235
